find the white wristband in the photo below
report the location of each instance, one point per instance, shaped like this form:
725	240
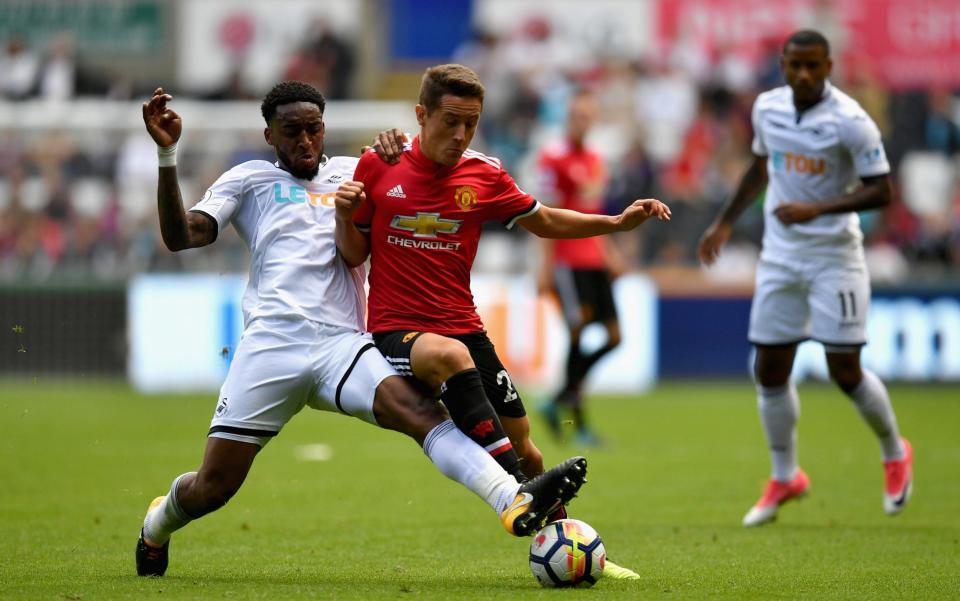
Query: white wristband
167	155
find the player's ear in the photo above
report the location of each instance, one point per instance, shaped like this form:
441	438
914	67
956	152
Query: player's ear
268	135
421	114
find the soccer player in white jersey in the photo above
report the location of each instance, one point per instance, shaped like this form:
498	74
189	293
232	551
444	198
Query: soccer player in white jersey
812	143
302	343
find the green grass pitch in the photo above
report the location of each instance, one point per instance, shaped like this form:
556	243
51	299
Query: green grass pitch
80	461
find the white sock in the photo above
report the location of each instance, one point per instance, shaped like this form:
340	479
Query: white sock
873	403
166	518
463	460
779	410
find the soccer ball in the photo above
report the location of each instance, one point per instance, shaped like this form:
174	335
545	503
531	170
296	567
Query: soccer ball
567	553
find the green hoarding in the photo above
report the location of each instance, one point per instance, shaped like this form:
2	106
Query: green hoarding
127	27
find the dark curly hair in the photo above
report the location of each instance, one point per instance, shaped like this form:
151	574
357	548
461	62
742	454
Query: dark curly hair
287	92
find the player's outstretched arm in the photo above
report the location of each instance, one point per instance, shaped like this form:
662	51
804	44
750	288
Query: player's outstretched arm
550	222
354	245
751	184
178	228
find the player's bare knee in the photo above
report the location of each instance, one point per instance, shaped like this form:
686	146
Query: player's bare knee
396	397
398	406
771	376
846	377
452	357
773	365
845	370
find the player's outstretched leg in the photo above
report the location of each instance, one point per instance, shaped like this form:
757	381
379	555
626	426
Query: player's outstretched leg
774	495
898	480
538	498
192	495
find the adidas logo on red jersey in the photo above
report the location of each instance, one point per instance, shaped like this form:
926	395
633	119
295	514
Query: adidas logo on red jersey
396	192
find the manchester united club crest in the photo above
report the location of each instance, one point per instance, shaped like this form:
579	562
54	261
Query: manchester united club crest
465	197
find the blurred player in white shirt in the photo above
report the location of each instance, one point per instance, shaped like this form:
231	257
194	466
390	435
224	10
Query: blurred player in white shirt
824	161
303	343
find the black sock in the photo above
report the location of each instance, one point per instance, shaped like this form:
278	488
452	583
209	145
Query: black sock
472	412
575	360
577	370
577	373
576	415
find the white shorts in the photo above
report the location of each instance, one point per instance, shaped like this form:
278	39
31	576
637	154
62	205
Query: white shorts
282	365
824	300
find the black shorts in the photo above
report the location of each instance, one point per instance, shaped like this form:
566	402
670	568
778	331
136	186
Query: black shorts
497	384
586	295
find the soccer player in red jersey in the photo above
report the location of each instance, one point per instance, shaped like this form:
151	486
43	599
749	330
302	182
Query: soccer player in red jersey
578	270
420	222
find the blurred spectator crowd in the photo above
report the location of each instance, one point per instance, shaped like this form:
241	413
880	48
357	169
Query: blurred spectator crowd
675	127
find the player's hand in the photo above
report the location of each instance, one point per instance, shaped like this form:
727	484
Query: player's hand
349	197
641	210
715	237
796	212
163	124
388	145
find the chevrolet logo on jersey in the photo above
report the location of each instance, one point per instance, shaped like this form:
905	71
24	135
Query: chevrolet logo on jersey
425	225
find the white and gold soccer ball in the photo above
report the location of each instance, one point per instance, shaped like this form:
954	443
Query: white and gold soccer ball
567	553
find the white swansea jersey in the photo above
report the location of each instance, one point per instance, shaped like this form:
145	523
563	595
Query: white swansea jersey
813	156
288	225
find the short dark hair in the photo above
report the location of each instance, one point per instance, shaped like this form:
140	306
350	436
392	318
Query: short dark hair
449	79
807	37
287	92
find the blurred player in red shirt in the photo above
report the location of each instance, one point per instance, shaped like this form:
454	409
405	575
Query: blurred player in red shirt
578	270
420	222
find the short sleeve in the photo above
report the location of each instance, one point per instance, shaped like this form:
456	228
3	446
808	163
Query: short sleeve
510	202
758	147
222	199
363	216
861	136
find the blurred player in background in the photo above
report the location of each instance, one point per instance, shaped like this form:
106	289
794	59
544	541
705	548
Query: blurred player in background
420	222
811	142
578	270
302	343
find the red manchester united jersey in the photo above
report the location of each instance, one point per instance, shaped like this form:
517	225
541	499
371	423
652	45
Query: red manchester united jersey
574	177
424	222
